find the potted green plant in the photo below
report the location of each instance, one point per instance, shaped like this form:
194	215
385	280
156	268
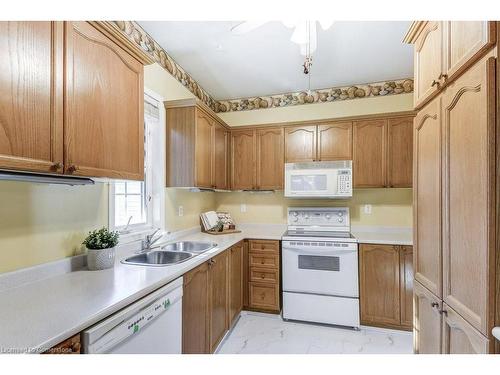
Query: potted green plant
101	249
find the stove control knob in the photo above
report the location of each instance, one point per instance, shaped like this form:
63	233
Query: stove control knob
294	213
295	219
340	214
328	216
306	216
340	220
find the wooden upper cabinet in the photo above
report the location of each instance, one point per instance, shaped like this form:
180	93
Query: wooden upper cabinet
270	159
218	293
469	218
369	153
197	146
427	197
459	337
204	150
243	160
221	157
31	96
427	329
428	61
235	281
400	152
335	141
463	41
196	311
380	285
104	97
406	285
300	144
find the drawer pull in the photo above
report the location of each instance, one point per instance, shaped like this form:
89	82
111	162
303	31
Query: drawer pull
263	276
262	295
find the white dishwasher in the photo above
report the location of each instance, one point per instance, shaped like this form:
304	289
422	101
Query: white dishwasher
152	325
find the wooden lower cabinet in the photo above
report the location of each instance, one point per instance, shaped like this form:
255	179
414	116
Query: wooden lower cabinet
263	286
69	346
386	283
459	337
219	298
196	311
235	281
427	328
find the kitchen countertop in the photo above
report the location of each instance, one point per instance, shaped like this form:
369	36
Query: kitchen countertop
383	235
39	314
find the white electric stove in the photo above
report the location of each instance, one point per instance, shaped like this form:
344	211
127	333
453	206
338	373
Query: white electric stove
320	267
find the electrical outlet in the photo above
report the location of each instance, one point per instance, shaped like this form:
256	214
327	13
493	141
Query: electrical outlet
243	207
368	209
180	211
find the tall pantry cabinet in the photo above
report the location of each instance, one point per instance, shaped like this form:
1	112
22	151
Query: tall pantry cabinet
455	176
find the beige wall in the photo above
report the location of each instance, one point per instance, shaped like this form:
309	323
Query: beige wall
193	204
40	222
390	207
356	107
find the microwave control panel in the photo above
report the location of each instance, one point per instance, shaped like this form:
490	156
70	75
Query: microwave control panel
344	181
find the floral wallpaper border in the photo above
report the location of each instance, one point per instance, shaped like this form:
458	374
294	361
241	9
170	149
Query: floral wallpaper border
317	96
140	37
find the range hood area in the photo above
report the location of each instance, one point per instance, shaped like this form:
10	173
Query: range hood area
41	178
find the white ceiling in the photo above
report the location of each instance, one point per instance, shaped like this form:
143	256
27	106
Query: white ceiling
264	61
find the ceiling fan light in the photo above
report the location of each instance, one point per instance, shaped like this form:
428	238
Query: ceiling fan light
325	25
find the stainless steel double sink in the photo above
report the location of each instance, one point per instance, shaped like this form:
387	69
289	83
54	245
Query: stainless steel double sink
172	253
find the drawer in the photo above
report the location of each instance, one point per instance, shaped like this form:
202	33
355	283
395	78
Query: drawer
264	296
264	275
265	246
263	260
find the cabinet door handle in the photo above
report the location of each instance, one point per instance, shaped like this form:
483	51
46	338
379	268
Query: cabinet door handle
443	76
72	168
57	166
444	312
434	304
434	83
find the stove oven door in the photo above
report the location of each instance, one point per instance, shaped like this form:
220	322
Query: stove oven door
324	268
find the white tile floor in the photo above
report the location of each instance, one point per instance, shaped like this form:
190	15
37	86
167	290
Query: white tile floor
257	333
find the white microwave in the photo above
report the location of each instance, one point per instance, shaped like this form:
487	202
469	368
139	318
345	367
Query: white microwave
324	179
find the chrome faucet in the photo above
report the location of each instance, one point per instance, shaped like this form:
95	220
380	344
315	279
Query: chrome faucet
149	241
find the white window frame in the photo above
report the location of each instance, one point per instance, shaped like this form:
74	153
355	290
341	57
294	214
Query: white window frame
154	145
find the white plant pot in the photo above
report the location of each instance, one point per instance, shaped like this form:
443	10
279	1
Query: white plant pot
100	259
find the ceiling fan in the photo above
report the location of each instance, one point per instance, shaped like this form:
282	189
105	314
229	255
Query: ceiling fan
304	32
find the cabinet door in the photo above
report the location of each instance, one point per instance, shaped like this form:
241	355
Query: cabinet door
195	311
300	144
379	285
104	100
243	160
335	141
468	251
427	327
459	337
204	151
369	153
400	152
235	281
463	41
221	157
406	285
31	96
270	155
428	61
427	197
218	290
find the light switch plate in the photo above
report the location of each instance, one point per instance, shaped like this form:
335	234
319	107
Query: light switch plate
368	209
180	211
243	207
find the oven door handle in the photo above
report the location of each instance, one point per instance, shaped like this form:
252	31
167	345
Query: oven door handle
320	251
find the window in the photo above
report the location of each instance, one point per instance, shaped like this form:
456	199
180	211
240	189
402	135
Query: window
136	207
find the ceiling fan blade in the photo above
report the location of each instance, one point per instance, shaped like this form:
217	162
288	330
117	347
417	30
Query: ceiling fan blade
246	26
